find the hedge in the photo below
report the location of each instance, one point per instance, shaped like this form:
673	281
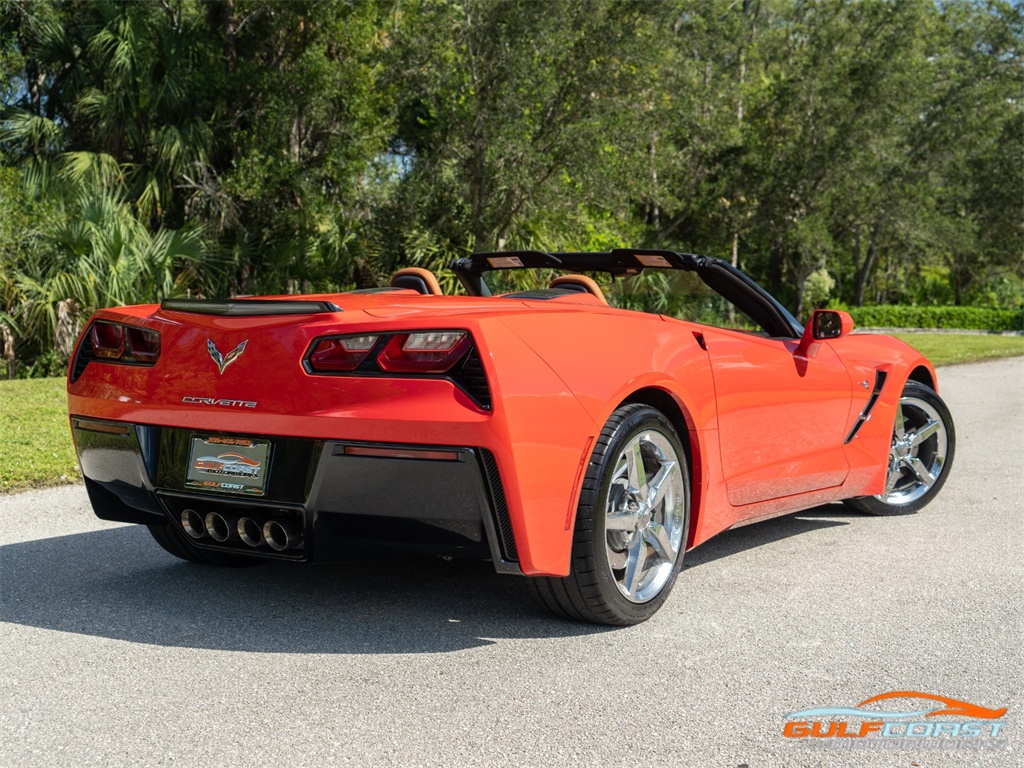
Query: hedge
884	316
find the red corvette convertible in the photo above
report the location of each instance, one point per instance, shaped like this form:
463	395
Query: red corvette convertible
584	446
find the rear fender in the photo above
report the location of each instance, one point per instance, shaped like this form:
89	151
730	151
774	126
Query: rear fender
614	368
542	431
695	442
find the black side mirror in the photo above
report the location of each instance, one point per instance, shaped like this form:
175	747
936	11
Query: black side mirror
831	324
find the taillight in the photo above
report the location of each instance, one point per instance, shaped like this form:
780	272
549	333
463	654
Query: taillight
110	342
451	354
143	345
119	343
107	340
428	352
341	354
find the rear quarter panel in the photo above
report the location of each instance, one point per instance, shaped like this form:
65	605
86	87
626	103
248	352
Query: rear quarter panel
603	358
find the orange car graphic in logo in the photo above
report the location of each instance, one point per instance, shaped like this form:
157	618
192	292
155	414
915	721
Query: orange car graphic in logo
834	722
228	464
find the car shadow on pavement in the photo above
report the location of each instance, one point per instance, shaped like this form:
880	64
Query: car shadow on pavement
768	532
118	584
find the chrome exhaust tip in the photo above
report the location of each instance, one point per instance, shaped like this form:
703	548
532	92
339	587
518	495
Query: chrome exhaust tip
193	524
217	526
250	532
282	534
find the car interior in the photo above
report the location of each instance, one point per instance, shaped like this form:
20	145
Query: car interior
416	279
769	317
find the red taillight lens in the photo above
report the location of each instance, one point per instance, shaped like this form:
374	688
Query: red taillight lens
428	352
107	340
143	345
110	342
124	343
341	354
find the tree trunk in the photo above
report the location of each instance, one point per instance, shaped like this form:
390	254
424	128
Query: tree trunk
749	16
7	346
654	218
220	16
478	194
864	269
68	327
799	311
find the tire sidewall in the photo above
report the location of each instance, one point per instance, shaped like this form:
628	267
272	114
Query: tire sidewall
875	506
641	420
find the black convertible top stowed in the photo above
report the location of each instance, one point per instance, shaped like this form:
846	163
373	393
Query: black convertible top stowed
719	275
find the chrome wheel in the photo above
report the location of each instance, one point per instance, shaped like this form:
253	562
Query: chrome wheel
631	523
920	454
917	457
645	516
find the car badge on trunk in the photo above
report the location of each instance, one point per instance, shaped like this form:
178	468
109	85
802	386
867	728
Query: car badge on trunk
223	361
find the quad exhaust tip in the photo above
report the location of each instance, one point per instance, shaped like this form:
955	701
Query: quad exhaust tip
277	534
281	534
217	526
193	524
250	531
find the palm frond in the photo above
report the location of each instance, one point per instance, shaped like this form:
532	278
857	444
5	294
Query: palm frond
93	171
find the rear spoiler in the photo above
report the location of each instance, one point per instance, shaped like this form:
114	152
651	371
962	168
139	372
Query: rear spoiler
248	307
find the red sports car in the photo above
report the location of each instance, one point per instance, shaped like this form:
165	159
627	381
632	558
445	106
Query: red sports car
584	446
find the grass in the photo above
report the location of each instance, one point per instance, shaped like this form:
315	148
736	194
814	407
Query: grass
36	448
35	439
950	348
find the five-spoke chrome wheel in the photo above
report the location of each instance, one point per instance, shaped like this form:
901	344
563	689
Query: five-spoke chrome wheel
644	516
631	523
920	454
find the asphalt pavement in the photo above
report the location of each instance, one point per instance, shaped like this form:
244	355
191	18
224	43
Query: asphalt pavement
113	653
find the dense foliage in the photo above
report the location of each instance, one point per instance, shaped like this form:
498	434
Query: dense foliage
862	152
900	316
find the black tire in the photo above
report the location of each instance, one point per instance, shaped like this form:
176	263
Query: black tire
596	589
916	472
176	543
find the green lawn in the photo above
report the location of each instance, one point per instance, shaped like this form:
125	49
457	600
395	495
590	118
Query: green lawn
35	441
949	348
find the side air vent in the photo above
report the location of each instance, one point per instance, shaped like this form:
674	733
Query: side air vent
880	377
248	307
500	507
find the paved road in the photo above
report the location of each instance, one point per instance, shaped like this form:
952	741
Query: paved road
113	653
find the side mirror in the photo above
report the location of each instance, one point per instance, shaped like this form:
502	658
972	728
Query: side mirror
824	324
830	324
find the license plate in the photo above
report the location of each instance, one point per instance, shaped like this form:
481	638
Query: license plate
228	465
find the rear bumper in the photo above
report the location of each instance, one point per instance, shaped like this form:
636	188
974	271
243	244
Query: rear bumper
445	500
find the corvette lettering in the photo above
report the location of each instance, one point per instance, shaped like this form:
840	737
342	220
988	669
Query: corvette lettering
223	403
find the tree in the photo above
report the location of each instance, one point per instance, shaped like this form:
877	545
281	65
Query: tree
508	118
252	146
973	136
302	119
